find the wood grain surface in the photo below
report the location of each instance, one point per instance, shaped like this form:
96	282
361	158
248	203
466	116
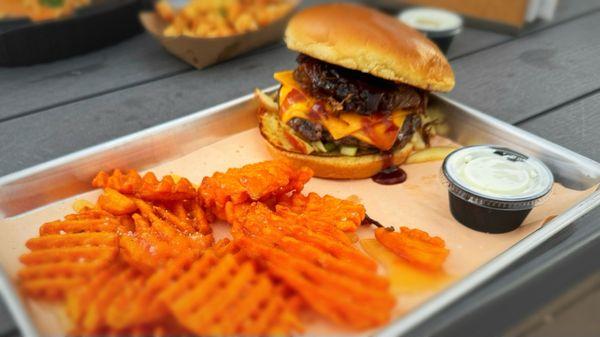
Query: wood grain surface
575	125
534	73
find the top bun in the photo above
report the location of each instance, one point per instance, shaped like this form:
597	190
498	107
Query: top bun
360	38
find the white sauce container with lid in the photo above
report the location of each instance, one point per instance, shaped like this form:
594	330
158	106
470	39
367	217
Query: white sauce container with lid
492	188
441	26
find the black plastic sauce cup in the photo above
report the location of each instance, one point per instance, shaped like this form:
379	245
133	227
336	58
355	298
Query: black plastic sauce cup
487	212
438	25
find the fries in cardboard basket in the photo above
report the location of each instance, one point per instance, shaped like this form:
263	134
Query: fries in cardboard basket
218	18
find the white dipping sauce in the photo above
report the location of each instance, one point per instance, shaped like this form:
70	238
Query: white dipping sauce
498	173
431	20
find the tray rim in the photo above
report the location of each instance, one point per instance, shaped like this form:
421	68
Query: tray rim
401	325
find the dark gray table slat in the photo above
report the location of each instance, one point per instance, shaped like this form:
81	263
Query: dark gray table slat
575	126
529	75
473	40
572	8
75	126
6	322
26	89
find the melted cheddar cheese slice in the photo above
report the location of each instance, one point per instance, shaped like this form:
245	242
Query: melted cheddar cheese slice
379	131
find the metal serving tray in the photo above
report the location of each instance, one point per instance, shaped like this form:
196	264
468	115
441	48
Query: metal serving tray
40	185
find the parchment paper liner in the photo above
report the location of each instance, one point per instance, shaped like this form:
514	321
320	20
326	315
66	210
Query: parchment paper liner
420	202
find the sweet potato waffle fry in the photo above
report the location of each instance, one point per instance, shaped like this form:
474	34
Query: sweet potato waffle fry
67	252
147	187
97	308
161	235
145	306
142	260
88	220
223	296
116	203
260	222
253	182
415	246
187	215
346	215
333	277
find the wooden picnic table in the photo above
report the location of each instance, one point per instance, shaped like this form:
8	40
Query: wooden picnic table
546	80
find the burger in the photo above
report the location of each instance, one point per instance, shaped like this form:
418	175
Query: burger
356	102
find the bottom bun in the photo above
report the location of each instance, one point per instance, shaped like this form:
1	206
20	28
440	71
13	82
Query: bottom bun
341	167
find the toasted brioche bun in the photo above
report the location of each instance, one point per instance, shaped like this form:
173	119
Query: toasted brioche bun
340	167
360	38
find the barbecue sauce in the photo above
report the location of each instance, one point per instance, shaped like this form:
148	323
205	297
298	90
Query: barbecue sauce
292	98
390	174
372	126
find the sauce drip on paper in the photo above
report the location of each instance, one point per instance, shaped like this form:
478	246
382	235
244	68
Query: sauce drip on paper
390	174
405	278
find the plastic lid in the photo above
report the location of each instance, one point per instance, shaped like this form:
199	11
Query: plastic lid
497	177
434	22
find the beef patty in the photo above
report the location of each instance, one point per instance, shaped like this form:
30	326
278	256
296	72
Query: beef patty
313	132
355	91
